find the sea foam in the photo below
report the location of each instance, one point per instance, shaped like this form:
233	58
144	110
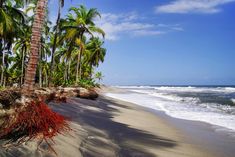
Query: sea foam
233	100
190	108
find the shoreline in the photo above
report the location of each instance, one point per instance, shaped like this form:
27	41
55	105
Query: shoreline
110	127
213	138
200	133
115	90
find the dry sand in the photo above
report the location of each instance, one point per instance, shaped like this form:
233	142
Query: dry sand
112	128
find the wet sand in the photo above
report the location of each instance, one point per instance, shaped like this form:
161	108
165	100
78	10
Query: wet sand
108	127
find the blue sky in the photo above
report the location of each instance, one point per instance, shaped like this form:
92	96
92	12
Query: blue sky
173	42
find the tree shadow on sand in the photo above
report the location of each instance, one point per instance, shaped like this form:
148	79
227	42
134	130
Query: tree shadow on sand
105	136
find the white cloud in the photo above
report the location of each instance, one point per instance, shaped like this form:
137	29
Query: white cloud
116	25
148	32
171	27
192	6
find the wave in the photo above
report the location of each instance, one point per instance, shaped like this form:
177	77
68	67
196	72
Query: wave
135	87
196	89
171	97
230	89
191	89
189	108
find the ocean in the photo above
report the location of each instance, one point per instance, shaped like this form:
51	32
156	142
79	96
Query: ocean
211	104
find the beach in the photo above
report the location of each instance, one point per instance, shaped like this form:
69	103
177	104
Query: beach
117	78
108	127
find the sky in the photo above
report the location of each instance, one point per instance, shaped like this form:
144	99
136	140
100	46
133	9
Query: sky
165	42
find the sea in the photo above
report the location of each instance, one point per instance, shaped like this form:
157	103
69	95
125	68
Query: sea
211	104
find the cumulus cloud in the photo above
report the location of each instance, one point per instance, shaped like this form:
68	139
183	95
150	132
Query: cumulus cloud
116	25
192	6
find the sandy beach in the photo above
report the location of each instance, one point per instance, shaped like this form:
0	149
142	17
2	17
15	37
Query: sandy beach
108	127
117	78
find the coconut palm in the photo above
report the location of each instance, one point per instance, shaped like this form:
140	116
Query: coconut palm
11	21
43	64
22	45
99	76
35	44
61	5
80	21
16	68
95	52
73	50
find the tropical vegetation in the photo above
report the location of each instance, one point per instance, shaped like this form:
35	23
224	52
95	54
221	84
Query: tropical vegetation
33	50
36	53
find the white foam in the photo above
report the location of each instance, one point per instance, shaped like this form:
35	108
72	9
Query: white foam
230	89
196	89
233	100
182	89
134	87
172	97
186	108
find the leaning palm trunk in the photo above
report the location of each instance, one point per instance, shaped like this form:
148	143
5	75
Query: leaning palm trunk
35	44
54	45
78	76
69	68
80	66
79	63
91	70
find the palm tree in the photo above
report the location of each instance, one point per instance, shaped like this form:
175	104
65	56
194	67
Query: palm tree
43	64
74	57
95	52
35	44
99	76
16	68
61	4
79	23
11	20
22	45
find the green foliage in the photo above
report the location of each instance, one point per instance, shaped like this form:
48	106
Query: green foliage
99	76
2	88
77	54
87	83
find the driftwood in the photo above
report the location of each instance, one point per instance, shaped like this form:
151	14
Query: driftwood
9	97
87	94
12	98
62	93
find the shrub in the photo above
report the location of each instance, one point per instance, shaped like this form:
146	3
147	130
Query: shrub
87	83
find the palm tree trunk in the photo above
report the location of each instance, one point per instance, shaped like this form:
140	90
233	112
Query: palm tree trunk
66	71
2	67
40	68
22	68
78	66
54	45
34	49
90	70
69	69
4	81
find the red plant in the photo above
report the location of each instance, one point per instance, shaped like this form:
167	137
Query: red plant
36	120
